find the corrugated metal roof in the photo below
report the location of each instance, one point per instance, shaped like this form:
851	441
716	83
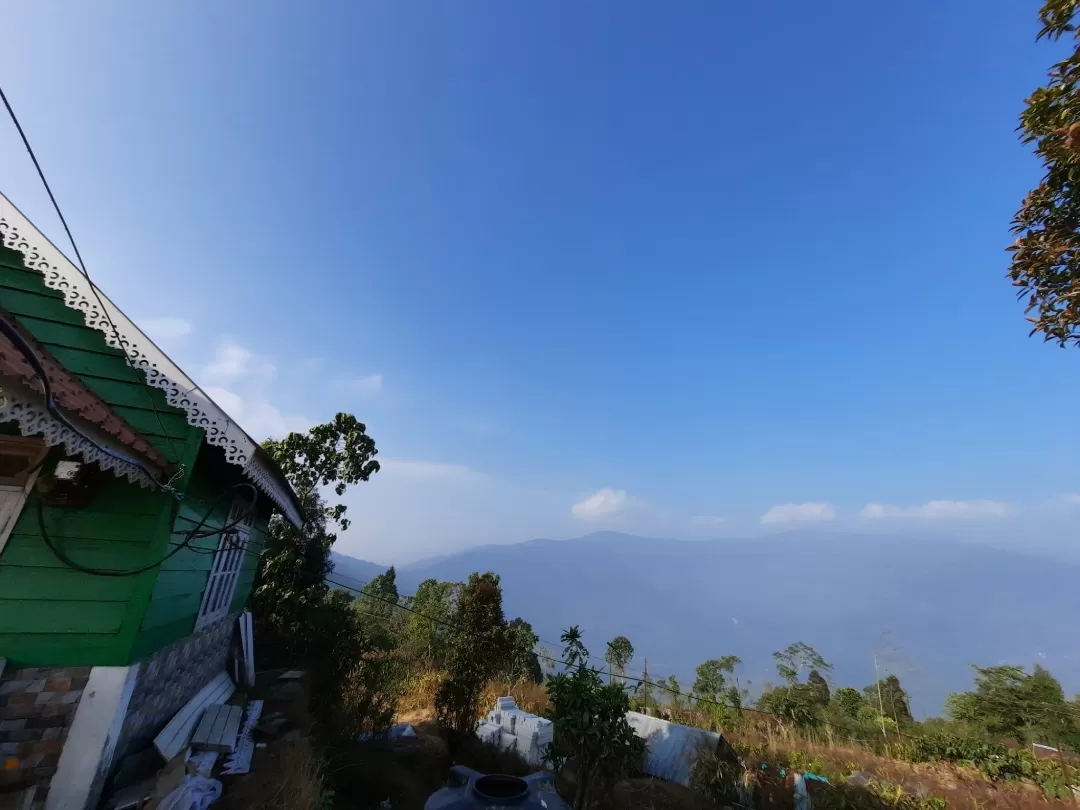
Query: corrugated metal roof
672	748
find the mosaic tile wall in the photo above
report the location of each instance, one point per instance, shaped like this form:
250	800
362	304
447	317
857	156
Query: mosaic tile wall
170	678
37	706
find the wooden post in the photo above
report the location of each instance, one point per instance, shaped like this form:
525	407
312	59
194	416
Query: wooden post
646	685
881	705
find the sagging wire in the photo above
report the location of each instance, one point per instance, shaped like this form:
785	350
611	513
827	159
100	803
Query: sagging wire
191	534
82	265
12	334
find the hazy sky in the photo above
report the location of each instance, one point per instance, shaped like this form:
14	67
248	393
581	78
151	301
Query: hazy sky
701	269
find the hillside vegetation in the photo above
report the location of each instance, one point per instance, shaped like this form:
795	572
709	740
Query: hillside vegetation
373	652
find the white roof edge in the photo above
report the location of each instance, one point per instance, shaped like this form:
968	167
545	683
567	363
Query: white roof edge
99	312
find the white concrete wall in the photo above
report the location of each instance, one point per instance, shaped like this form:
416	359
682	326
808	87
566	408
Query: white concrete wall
88	752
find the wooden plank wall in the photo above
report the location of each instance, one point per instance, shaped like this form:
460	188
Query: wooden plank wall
51	615
177	597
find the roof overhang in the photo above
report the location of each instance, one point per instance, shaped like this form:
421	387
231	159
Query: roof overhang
82	295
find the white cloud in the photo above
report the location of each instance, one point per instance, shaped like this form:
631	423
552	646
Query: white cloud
166	330
233	362
1071	499
417	508
426	470
939	510
371	384
258	418
707	521
602	504
796	512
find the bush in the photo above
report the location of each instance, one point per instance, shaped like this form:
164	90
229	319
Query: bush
716	778
994	761
590	725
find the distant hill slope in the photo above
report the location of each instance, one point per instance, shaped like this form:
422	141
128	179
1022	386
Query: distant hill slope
943	605
352	571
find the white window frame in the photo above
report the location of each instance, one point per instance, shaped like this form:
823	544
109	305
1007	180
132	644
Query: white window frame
15	489
228	559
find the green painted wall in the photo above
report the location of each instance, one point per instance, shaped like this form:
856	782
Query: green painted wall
177	595
51	615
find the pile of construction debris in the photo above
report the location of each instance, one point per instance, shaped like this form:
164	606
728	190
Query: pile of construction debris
212	738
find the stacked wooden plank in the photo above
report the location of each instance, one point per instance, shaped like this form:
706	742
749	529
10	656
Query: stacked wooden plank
174	737
218	729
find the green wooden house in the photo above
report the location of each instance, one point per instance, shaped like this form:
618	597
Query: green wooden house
113	614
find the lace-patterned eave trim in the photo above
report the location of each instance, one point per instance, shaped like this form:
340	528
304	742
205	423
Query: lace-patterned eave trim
34	419
58	273
259	475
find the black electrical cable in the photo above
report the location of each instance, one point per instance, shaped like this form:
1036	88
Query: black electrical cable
12	334
193	534
82	265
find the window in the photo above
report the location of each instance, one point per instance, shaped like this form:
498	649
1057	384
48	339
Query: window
221	586
19	460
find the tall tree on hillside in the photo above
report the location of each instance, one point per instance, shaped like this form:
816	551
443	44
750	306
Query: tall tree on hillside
521	661
818	688
848	702
716	697
1008	702
427	623
673	691
1045	264
888	697
710	681
291	579
590	725
477	653
377	605
797	658
618	654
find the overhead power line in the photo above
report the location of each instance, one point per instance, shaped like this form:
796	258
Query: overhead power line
120	344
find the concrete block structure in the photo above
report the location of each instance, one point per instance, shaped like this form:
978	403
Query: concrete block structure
507	726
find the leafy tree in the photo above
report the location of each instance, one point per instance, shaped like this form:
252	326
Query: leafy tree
797	658
618	654
818	688
337	453
290	596
1045	265
590	725
477	653
1008	702
888	696
673	690
376	605
848	702
715	696
521	661
710	682
426	634
547	661
794	703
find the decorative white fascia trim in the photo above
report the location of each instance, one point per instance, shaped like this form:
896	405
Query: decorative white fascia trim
81	294
34	419
260	473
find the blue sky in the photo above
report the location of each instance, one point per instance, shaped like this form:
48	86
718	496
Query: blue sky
709	269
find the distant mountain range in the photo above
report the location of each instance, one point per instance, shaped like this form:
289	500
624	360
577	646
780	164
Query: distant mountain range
923	609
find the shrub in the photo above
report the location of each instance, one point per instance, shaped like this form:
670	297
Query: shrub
590	725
